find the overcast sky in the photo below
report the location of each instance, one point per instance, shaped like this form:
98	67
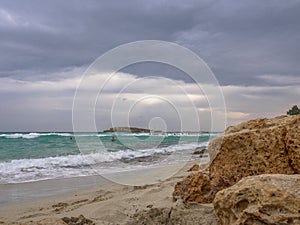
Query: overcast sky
251	46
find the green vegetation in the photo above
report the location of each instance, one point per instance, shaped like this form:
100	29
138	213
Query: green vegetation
294	111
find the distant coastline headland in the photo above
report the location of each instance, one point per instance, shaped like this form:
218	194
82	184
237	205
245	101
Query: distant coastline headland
130	129
144	130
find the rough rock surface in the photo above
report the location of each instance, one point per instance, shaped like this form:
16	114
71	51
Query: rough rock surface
263	199
195	167
80	220
200	151
194	188
261	146
199	214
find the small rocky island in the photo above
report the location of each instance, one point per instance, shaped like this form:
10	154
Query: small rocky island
130	129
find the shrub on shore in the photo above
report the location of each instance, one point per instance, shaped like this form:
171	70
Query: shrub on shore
293	111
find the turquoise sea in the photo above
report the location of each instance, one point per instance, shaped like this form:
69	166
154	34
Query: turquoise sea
26	157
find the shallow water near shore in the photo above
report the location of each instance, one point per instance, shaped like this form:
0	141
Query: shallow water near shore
20	192
11	193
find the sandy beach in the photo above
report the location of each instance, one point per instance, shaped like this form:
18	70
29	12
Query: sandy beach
102	201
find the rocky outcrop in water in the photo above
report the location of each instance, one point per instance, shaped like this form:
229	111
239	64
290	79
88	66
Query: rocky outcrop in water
261	146
263	199
129	129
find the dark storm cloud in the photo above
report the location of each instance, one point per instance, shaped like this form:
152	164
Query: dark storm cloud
47	36
242	40
239	40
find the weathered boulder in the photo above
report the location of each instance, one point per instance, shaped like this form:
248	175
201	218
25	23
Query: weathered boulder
292	142
80	220
194	188
200	151
261	146
257	200
255	147
194	167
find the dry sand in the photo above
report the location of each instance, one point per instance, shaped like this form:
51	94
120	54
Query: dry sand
113	204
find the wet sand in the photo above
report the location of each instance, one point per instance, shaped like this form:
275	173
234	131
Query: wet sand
102	201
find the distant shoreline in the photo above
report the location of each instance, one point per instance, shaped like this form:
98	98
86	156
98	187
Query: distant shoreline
145	130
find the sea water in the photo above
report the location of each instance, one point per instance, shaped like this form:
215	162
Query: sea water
27	157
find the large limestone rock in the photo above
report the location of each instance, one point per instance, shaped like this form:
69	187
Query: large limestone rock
252	148
257	200
292	142
261	146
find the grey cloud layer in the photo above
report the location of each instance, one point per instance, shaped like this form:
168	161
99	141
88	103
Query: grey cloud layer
252	47
47	105
239	40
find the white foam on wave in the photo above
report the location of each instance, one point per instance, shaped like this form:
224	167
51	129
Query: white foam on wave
36	135
26	170
33	135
